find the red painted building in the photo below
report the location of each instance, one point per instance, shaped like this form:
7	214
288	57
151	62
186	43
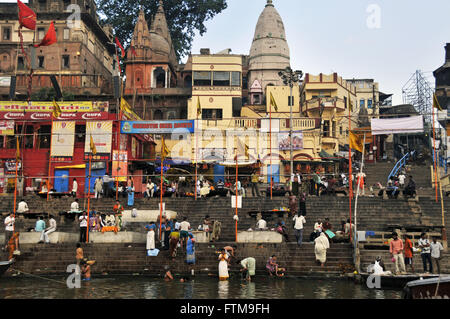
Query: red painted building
33	129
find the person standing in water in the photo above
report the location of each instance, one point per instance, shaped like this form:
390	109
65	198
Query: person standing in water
223	265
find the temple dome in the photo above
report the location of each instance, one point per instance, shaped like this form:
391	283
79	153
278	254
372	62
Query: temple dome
269	50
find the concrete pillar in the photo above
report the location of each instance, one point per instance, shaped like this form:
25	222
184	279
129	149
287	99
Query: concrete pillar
166	78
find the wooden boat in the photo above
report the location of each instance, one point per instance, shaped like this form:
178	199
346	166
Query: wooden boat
394	281
433	288
4	265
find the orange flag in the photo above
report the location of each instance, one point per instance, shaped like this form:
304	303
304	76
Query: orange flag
49	38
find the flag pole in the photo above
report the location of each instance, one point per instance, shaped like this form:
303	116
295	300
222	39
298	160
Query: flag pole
350	169
89	197
196	152
236	192
161	192
15	190
359	180
270	151
435	159
50	161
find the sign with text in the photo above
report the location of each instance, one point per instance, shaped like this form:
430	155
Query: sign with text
156	127
63	138
22	106
6	127
101	132
120	165
47	116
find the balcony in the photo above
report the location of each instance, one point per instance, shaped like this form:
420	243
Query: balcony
326	102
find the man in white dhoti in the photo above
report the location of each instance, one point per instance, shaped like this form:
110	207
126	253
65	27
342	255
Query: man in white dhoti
151	236
321	246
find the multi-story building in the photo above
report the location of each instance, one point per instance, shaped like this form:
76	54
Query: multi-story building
326	97
442	76
82	59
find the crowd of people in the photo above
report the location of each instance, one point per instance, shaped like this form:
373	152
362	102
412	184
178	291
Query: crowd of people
402	252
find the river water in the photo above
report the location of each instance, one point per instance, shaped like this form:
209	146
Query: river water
140	287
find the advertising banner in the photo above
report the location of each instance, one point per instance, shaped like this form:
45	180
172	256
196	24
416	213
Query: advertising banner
6	127
21	106
156	127
406	125
63	139
120	165
47	116
284	143
101	132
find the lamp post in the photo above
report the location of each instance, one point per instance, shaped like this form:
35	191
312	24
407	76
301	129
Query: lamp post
290	77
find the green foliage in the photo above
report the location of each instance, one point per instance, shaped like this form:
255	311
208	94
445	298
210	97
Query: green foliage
184	18
48	94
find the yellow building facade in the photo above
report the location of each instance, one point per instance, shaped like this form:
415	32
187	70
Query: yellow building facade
328	98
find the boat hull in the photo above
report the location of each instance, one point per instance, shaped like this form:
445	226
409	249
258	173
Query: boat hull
435	288
4	266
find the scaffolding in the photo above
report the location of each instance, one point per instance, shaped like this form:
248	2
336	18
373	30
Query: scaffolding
418	91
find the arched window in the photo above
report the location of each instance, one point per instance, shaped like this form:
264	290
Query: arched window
159	77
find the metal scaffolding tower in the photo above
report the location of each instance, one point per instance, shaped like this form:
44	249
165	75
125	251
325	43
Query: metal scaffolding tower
418	91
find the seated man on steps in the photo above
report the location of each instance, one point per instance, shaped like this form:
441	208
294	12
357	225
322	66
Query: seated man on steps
22	207
75	207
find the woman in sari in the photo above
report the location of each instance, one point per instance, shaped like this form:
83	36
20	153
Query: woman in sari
223	265
320	249
130	191
190	250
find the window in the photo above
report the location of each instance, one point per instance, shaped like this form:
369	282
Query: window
80	132
345	103
326	128
212	114
244	82
66	34
340	130
235	78
44	136
362	103
40	62
41	33
2	140
10	142
65	61
6	34
29	136
202	78
221	78
20	63
291	100
369	103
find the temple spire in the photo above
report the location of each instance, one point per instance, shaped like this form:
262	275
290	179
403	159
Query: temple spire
269	3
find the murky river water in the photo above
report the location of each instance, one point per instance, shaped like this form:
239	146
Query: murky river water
133	287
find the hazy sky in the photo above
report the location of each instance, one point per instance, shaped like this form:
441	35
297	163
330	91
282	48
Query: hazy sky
334	36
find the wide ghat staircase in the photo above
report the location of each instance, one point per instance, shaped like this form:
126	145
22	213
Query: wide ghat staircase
374	214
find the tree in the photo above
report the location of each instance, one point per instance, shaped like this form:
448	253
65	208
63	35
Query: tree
184	18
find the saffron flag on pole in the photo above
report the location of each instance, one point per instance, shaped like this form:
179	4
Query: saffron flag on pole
93	148
356	142
436	103
241	148
49	38
121	47
56	110
273	103
164	149
199	107
27	17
